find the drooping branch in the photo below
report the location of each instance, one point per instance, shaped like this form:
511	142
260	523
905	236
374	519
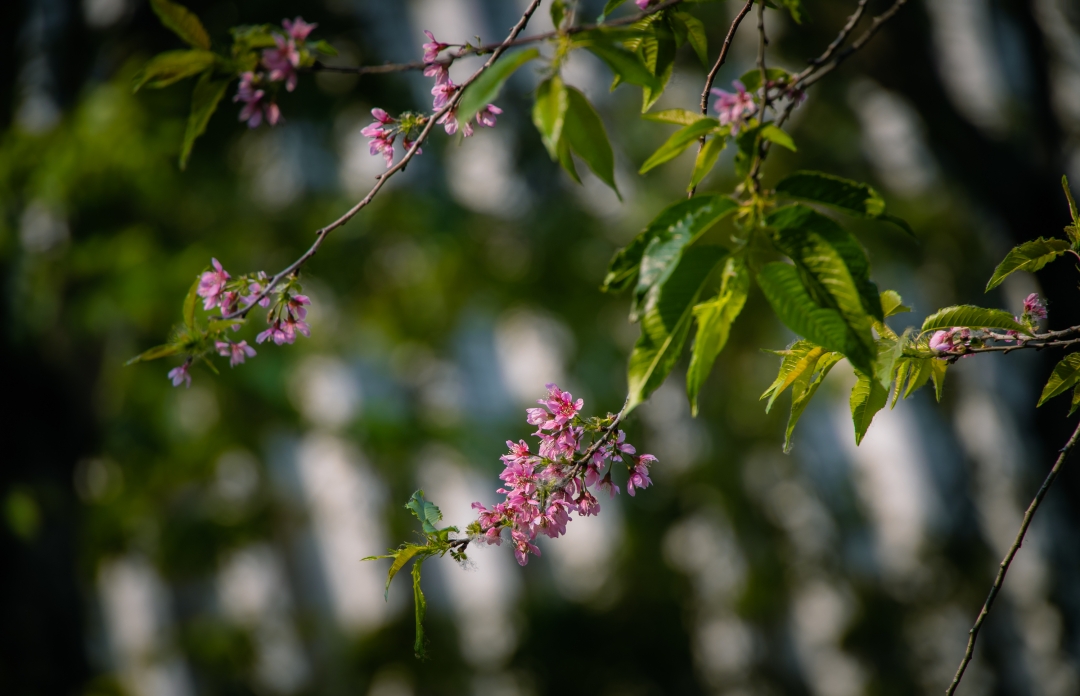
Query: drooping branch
321	234
973	634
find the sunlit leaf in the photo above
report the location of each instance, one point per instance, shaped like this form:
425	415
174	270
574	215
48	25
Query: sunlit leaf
1065	376
156	352
1029	256
714	320
796	360
182	22
549	113
804	389
420	645
706	159
625	64
775	134
665	322
486	88
891	303
971	317
843	194
584	132
937	373
867	398
682	117
681	224
679	141
427	512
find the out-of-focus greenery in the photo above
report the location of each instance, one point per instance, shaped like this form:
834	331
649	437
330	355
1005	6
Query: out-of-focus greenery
741	571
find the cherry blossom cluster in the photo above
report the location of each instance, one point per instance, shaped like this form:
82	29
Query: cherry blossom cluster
958	339
734	108
219	290
544	488
277	66
385	130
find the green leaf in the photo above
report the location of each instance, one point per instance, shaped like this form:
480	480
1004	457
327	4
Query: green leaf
686	223
1029	256
1072	202
800	357
567	160
899	222
695	35
668	311
486	88
1066	374
714	320
795	8
609	7
751	79
971	317
867	398
775	134
706	160
682	117
889	351
659	55
401	556
427	512
324	47
549	113
891	304
182	23
843	194
169	67
627	66
937	373
794	306
219	325
679	141
804	389
420	645
746	142
204	101
584	132
558	13
911	375
1075	400
156	352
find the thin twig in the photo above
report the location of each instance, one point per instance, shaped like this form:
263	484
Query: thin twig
711	77
973	634
489	48
763	42
842	36
320	235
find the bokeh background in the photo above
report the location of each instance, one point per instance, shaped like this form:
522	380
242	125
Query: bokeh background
207	540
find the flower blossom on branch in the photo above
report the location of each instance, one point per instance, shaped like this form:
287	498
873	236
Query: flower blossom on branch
180	375
733	107
542	490
277	65
235	352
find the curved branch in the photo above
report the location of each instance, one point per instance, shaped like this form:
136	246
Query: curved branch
973	634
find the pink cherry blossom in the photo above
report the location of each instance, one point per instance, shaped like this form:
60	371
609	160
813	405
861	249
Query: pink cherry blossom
440	71
523	547
256	107
643	4
450	123
608	485
282	62
212	285
1034	307
297	306
941	342
181	374
235	352
433	48
442	91
486	116
255	288
732	107
639	475
518	452
298	29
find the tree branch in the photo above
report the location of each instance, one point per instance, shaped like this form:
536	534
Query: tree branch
973	634
321	234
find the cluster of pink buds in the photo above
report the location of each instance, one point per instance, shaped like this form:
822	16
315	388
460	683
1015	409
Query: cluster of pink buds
734	107
958	340
1034	309
444	91
286	319
279	65
543	489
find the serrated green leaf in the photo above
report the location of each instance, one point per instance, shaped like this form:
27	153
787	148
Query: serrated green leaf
1065	376
665	322
401	556
486	88
751	79
682	223
800	357
679	141
584	132
918	374
804	389
794	306
661	63
971	317
663	251
891	304
549	113
706	159
1029	256
420	645
682	117
695	35
204	101
182	22
889	351
627	66
937	373
427	512
867	398
166	68
775	134
843	194
902	370
156	352
714	320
